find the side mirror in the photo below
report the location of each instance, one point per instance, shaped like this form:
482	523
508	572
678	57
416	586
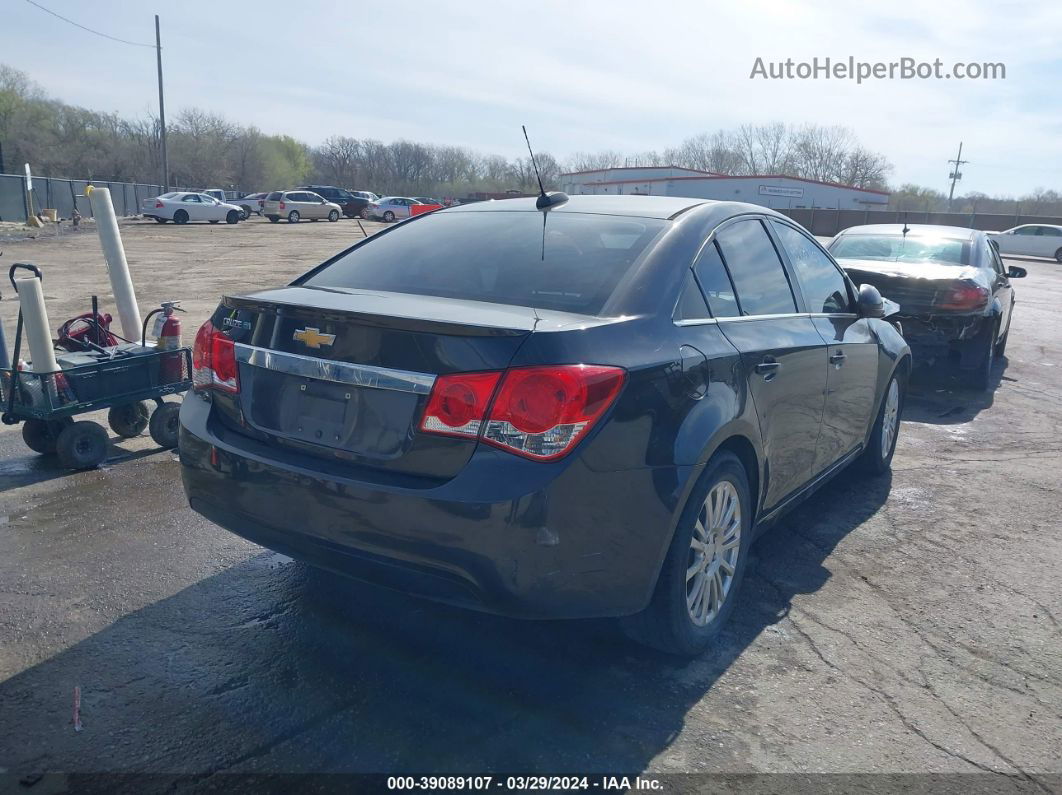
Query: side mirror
870	301
1014	272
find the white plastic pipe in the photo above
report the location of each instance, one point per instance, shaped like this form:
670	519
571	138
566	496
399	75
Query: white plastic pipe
35	325
117	267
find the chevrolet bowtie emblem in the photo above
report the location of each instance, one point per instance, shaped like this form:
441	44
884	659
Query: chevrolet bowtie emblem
313	338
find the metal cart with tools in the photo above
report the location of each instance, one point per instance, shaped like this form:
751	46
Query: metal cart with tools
122	378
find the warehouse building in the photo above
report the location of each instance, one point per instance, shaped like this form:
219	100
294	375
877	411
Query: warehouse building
770	190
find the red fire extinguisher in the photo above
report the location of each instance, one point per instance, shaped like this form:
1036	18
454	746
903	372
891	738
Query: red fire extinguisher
168	338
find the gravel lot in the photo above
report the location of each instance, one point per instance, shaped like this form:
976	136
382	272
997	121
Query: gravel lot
907	624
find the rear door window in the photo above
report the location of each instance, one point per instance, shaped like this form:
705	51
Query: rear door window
574	264
691	304
713	278
757	272
824	288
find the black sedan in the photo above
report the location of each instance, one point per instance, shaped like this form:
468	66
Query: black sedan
951	284
587	410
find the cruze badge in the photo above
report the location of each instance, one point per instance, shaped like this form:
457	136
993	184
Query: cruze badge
313	338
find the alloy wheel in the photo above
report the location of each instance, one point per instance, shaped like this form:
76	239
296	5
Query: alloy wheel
890	418
713	555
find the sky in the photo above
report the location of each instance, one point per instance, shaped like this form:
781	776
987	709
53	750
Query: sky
584	75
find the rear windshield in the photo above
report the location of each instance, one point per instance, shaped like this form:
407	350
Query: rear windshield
573	265
274	196
897	248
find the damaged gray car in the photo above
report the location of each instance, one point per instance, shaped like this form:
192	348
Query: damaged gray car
951	284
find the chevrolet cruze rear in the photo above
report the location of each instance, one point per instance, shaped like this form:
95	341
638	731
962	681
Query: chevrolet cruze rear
525	412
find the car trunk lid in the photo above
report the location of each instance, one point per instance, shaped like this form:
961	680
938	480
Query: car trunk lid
346	374
918	287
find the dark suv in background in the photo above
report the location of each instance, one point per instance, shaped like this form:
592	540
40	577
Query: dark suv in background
351	205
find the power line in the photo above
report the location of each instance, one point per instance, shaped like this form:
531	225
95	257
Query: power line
90	30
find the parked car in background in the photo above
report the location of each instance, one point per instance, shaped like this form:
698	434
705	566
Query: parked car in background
366	194
251	204
1031	240
295	205
589	411
181	207
390	208
350	205
217	193
953	289
429	200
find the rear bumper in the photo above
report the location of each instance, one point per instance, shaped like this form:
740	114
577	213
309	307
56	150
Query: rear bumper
940	338
506	535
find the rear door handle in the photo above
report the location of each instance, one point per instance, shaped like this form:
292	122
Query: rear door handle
837	357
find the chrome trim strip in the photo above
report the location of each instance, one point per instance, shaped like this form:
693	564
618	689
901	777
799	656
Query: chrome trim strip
363	375
743	318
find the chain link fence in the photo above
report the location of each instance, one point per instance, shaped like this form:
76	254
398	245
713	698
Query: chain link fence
66	195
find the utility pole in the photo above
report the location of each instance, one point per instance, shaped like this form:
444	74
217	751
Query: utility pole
162	112
955	175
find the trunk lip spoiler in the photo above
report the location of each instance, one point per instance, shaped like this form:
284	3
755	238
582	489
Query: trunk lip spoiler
360	375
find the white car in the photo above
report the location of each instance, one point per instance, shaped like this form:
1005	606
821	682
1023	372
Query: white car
391	207
181	208
1031	240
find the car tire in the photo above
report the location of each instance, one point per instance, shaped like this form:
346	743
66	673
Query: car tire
1058	255
333	216
364	214
233	217
980	377
212	222
877	458
389	216
246	212
293	217
129	419
165	425
40	436
82	445
668	623
1001	346
180	217
273	219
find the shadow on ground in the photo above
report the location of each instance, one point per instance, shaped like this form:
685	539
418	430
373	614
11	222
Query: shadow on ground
941	397
272	667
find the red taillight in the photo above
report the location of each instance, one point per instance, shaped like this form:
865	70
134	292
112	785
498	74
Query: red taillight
537	412
964	297
458	403
214	361
282	205
158	205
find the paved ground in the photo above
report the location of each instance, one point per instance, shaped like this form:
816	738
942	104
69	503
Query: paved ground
903	624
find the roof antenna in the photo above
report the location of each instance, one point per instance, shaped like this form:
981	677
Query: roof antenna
545	200
906	229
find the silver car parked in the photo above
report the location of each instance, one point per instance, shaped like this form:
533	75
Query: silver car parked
390	208
294	205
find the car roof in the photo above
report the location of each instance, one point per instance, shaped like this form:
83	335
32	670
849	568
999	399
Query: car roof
919	230
663	207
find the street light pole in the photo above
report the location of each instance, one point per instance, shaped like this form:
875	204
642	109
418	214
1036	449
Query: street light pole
162	112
